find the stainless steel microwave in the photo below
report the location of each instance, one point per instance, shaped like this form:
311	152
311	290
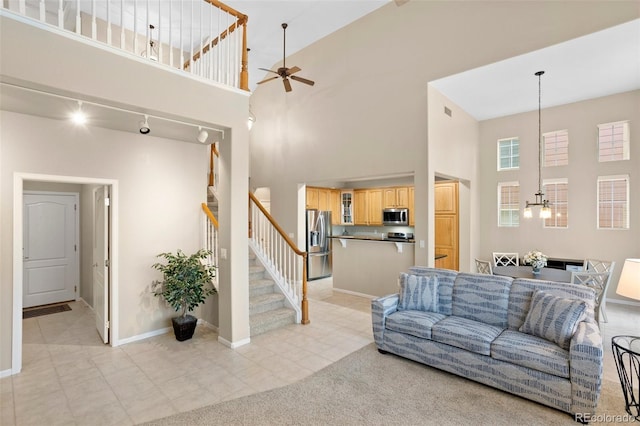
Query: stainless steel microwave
395	217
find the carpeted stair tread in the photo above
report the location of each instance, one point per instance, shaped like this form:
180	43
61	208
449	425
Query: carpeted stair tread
265	302
262	286
266	321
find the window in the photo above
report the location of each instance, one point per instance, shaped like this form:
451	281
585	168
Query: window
508	154
556	191
509	204
613	202
555	147
613	141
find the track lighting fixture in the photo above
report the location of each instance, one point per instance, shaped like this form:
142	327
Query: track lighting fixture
202	135
144	125
79	116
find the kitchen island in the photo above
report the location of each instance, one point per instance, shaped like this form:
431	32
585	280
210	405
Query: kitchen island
368	265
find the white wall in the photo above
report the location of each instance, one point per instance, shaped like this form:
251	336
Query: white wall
367	113
581	239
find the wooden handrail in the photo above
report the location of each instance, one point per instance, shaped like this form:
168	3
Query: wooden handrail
294	248
213	151
210	215
209	45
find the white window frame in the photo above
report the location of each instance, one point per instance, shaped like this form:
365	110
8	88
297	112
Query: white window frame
515	138
553	134
499	209
627	204
557	181
625	140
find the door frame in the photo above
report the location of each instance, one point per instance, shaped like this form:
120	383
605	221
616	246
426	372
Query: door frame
18	188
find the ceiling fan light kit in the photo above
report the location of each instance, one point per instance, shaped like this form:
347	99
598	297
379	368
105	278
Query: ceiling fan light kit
284	72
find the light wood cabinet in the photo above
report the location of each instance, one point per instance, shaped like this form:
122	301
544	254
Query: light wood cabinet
396	197
367	206
336	206
412	216
446	223
312	197
324	199
360	213
346	207
374	206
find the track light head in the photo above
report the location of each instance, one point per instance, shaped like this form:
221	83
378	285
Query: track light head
202	135
144	125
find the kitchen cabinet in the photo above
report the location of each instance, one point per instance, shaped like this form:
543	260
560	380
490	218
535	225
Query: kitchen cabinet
367	206
336	206
312	197
346	208
412	216
324	199
396	197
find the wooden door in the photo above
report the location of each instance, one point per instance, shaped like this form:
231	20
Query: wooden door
50	252
324	199
360	213
446	222
389	198
402	197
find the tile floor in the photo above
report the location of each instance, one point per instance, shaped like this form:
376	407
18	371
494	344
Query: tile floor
70	378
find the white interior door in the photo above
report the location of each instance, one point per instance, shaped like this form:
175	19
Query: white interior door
50	256
101	261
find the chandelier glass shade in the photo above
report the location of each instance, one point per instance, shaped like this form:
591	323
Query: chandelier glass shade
545	210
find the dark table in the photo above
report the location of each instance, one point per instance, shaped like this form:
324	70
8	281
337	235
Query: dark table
547	274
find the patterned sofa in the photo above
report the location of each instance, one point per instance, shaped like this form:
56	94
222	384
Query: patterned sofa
470	325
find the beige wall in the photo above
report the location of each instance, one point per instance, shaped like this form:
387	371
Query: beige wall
367	114
581	239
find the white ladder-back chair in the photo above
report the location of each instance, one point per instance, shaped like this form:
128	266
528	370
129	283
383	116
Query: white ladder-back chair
505	259
597	281
594	265
484	267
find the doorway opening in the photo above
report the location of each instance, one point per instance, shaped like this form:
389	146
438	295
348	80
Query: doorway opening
26	181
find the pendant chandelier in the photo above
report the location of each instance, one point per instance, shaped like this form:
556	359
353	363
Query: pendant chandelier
545	210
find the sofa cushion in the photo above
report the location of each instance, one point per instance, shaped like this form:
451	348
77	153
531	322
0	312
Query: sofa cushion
532	352
483	298
522	290
553	318
418	292
466	334
446	278
415	323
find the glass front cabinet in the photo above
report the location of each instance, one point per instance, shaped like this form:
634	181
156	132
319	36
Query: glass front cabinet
346	207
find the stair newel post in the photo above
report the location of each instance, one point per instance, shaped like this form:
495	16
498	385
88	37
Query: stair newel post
244	73
305	302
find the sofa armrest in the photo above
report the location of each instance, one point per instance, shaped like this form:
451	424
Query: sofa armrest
586	363
380	310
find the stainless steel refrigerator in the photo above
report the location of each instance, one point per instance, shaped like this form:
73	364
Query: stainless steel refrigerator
318	244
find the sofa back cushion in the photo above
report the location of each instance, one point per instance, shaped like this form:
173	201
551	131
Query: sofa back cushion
418	293
446	277
482	297
522	291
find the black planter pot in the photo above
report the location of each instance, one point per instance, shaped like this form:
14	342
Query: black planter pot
184	327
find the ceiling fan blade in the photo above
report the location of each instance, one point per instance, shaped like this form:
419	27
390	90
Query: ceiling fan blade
293	70
287	84
303	80
267	79
265	69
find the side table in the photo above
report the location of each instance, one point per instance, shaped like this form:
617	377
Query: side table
626	352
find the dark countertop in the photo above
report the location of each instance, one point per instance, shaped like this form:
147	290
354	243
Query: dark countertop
371	238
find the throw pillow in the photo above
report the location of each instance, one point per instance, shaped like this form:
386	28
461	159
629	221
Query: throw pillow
418	292
553	318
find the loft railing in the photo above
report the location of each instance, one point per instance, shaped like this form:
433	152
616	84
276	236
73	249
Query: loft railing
199	37
284	261
210	237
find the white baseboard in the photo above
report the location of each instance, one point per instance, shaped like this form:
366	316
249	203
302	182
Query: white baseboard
623	302
355	293
208	325
144	336
80	299
6	373
234	345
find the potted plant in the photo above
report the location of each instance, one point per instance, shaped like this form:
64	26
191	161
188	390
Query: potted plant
186	284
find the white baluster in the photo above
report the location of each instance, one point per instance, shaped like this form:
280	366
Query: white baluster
109	22
158	40
147	45
135	27
94	24
43	11
191	41
22	7
78	18
61	14
181	35
122	33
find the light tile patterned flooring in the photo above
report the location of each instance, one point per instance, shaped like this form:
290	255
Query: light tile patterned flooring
70	378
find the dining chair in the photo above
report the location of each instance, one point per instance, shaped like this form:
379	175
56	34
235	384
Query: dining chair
505	259
594	265
484	267
598	281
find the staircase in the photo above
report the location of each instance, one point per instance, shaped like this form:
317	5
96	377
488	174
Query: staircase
267	308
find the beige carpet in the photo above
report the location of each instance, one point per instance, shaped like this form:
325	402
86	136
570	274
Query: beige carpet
367	388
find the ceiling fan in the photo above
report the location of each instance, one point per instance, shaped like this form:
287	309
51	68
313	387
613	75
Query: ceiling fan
284	72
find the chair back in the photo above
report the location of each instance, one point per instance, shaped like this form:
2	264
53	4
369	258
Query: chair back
484	267
598	281
505	259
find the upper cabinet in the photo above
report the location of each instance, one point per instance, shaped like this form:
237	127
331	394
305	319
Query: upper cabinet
367	206
312	197
336	207
346	208
412	216
324	199
396	197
